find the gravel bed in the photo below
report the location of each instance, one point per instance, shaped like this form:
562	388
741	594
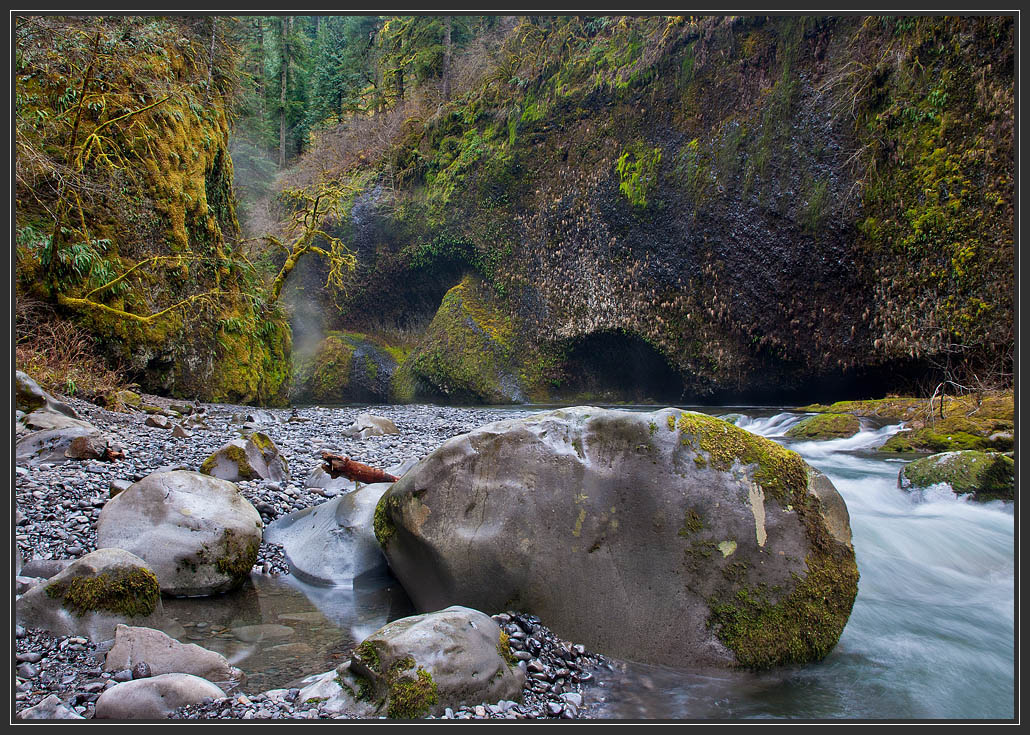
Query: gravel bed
57	506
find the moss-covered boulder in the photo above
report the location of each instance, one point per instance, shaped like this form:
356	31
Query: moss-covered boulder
825	426
93	595
986	475
346	367
711	546
954	433
420	665
474	352
253	458
199	534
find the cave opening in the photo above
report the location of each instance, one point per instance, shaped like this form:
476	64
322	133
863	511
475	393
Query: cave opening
614	366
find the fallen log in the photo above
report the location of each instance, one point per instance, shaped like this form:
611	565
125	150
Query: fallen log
339	466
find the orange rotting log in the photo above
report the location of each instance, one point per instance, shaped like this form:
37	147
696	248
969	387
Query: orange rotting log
340	466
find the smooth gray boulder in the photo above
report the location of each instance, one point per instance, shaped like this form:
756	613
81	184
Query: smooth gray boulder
154	698
50	708
93	595
421	665
253	458
199	534
366	425
333	543
708	545
165	655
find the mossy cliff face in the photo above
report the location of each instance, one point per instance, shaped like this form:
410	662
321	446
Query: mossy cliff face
473	351
766	202
348	367
126	146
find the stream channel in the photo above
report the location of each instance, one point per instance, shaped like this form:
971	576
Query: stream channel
931	634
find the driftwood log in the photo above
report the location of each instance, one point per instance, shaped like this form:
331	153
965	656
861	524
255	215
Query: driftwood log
339	466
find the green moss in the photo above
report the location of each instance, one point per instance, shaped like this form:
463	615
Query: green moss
504	650
235	454
239	556
411	697
781	473
637	168
692	523
953	434
825	426
382	523
130	591
368	654
804	626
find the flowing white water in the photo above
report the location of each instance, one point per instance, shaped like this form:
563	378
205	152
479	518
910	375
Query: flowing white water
931	634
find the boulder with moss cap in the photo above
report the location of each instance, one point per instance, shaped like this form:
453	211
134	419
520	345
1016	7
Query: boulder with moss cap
93	595
984	475
199	534
253	458
711	546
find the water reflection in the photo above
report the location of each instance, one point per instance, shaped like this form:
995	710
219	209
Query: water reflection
279	629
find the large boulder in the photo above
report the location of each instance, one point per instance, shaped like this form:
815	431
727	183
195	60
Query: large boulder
199	534
154	697
93	595
253	458
421	665
985	475
709	545
163	654
333	543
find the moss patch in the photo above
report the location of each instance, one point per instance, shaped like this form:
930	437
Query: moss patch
781	473
130	591
239	557
801	627
410	696
382	523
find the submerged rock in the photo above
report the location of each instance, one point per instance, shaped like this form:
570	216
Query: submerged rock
199	534
987	475
135	645
93	595
709	545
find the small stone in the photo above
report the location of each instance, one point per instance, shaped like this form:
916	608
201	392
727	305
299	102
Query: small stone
141	670
554	709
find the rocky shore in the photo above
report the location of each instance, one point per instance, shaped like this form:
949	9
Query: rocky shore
58	504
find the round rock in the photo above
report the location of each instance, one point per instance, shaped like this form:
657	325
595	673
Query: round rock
154	698
198	533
